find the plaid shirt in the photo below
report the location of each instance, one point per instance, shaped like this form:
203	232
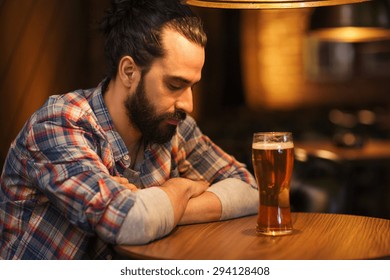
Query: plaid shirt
57	197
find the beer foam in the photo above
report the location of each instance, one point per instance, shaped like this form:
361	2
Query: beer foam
272	146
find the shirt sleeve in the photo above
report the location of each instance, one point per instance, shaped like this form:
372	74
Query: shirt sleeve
151	217
69	162
237	198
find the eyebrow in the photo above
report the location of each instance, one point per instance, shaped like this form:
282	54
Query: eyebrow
178	79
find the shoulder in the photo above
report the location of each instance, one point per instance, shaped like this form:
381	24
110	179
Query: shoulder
61	116
70	106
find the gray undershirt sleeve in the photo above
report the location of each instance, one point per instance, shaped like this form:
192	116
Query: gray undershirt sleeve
151	217
237	198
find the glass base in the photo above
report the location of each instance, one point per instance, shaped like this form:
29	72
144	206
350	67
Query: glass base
279	232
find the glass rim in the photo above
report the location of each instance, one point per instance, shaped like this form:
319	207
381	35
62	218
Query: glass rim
272	137
272	133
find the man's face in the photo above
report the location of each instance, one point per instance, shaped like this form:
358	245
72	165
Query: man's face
163	95
155	128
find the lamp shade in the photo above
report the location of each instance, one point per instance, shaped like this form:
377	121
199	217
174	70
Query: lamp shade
361	22
267	4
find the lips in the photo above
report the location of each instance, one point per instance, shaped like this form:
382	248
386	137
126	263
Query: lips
175	118
173	121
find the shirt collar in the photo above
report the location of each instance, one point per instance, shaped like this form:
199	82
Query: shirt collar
104	119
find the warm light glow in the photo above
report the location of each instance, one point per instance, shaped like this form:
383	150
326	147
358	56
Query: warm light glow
267	4
351	34
272	53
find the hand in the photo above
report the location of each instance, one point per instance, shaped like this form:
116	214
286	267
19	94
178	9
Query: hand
180	191
124	182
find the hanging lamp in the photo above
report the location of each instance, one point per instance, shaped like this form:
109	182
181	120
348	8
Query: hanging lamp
267	4
362	22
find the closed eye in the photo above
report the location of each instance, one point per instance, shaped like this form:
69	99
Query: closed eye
174	83
174	87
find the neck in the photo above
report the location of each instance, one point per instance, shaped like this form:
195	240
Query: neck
115	98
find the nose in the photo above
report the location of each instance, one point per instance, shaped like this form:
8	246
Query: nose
185	101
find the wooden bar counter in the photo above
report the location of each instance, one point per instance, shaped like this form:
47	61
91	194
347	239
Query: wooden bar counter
315	236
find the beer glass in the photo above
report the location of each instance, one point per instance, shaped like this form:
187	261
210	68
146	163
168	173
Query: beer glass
273	161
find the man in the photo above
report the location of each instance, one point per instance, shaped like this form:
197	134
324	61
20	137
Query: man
121	163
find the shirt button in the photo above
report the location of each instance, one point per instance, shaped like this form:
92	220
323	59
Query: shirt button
126	158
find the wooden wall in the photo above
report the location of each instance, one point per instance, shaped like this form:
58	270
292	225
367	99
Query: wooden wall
46	47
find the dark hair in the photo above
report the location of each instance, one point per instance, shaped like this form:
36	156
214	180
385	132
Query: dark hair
133	27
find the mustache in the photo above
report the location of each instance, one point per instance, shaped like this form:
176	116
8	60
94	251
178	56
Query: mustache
179	115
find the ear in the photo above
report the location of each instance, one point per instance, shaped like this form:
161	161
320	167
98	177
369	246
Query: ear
126	70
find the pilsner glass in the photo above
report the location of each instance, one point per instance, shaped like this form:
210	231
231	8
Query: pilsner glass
273	161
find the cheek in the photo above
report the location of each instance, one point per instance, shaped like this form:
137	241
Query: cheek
165	105
159	96
162	101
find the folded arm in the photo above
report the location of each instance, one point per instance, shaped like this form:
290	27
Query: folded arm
227	199
157	210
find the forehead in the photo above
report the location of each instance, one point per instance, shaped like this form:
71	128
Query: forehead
181	56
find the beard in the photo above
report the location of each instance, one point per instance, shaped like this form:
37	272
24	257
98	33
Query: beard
143	115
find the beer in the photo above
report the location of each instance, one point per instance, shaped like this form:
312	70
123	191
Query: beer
273	165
